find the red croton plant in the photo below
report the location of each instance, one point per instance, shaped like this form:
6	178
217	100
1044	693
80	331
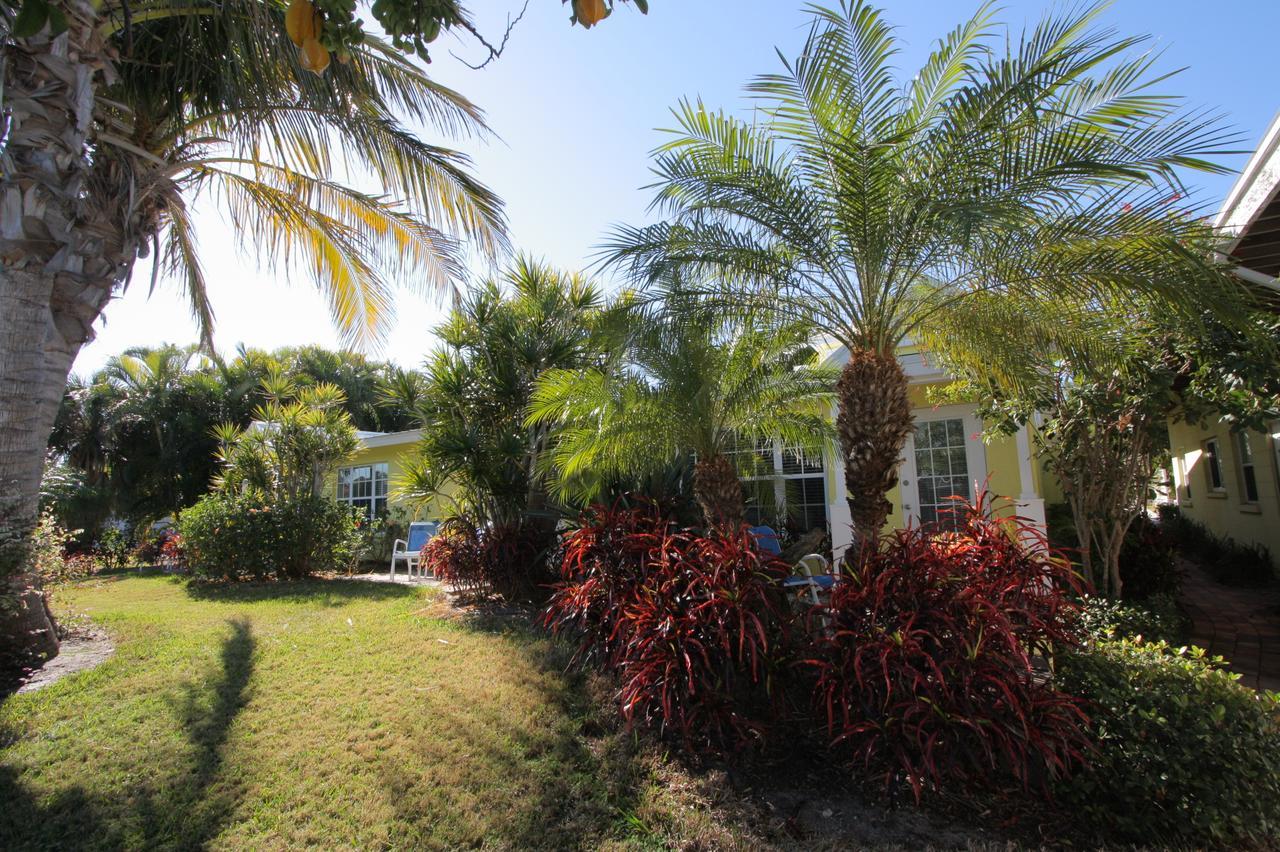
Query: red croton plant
926	669
692	624
506	559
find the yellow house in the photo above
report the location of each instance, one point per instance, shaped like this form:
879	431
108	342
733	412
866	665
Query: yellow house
946	456
365	481
1230	481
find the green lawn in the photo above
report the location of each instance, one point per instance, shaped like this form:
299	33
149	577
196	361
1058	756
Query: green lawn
336	714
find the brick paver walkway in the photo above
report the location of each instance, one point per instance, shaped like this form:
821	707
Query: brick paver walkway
1241	625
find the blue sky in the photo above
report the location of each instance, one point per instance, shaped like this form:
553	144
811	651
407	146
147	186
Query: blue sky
576	114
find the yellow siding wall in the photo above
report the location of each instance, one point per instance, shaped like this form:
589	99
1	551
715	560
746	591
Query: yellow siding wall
1227	514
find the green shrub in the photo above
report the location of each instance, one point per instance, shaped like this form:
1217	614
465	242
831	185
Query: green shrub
1155	619
1228	561
1185	754
1148	563
240	536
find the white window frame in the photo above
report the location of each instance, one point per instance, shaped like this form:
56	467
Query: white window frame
1213	463
974	450
1182	482
379	487
1275	452
779	477
1247	466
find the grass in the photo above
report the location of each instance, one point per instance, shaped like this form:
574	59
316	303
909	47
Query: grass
334	714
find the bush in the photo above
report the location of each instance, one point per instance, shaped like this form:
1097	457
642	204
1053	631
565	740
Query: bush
1157	618
1229	562
925	671
112	548
1185	753
692	625
509	559
239	536
1148	562
1148	557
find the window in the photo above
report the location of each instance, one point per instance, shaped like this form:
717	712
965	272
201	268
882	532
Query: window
782	484
1180	474
365	487
1213	466
1248	472
1275	449
942	470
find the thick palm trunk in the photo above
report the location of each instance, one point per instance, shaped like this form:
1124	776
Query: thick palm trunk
872	424
718	491
59	261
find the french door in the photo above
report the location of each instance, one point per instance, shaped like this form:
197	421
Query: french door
944	459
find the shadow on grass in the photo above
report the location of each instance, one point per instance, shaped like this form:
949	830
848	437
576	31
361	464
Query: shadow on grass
574	784
316	592
183	808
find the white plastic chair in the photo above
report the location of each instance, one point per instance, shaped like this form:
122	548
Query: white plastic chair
410	551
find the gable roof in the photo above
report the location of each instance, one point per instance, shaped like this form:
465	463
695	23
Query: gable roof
388	439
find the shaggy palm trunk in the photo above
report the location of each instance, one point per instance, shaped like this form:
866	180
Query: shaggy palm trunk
718	491
873	422
60	258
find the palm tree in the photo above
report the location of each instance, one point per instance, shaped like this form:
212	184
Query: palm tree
209	98
496	343
691	382
1043	165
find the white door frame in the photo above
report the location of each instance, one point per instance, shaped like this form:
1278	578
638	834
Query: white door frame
975	453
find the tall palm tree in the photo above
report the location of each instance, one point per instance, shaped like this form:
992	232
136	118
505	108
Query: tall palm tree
209	98
873	207
690	382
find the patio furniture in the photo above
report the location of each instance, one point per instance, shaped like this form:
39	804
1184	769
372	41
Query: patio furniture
410	550
767	539
812	578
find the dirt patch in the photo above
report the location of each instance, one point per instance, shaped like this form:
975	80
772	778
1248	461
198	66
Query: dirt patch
86	648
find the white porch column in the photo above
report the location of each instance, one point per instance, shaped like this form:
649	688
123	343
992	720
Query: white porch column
838	515
1030	505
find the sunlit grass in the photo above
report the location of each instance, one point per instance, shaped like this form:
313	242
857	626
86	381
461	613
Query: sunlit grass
334	714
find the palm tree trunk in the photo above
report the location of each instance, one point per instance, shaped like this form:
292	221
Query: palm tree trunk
718	491
873	423
57	270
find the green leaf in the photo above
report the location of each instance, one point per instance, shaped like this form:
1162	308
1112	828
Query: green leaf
31	18
643	6
57	21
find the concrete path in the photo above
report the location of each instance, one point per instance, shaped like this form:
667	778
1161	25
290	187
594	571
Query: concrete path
1239	624
401	578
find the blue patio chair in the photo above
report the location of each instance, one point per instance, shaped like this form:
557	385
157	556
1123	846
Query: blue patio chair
767	539
410	550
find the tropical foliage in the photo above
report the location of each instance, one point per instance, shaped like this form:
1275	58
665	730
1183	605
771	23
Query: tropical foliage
119	114
877	207
297	439
136	441
925	669
692	624
244	535
688	382
495	344
1102	402
505	559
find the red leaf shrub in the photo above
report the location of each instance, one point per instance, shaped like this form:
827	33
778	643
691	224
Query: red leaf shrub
691	624
509	559
925	670
172	557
